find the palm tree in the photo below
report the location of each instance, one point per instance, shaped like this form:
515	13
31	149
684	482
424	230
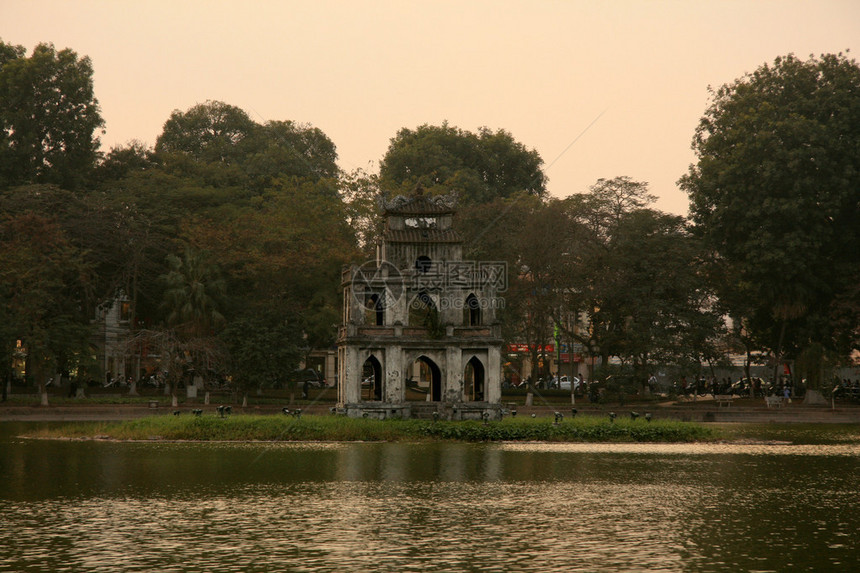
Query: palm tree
194	290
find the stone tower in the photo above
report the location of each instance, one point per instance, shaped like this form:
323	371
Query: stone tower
420	333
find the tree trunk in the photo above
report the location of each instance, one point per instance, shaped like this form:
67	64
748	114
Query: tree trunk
778	356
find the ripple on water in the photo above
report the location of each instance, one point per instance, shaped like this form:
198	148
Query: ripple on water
608	507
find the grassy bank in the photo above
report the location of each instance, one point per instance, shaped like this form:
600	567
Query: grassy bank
340	428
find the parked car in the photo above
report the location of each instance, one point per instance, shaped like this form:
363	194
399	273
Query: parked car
311	376
742	386
564	383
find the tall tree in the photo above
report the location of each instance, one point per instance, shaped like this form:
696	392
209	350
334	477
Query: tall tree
290	149
194	289
634	276
120	161
210	132
265	351
81	225
49	117
481	166
360	194
222	143
43	279
282	256
776	195
533	300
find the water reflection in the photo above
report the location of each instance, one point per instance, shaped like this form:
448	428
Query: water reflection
74	506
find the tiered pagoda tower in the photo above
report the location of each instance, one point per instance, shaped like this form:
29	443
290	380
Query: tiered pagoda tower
420	333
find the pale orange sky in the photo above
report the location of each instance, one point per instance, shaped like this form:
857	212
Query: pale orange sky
361	70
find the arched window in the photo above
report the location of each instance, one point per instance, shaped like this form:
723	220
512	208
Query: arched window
374	310
423	311
472	311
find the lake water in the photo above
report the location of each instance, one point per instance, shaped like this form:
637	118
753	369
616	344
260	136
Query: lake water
104	506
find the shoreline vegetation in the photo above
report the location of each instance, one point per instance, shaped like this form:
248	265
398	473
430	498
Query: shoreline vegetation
309	428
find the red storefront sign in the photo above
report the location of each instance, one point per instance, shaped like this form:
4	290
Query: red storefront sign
527	348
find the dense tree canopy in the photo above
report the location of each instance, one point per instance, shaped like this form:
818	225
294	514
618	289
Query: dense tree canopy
49	117
262	199
225	140
481	166
636	275
775	205
776	195
43	282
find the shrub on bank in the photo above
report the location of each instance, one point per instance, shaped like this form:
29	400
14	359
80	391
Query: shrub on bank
341	428
582	429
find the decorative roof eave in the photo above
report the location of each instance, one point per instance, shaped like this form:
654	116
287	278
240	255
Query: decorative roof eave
420	204
422	236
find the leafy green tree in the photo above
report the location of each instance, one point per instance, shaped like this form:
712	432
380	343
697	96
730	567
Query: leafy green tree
532	301
48	117
121	161
258	197
43	280
125	236
289	149
81	224
776	195
210	132
615	198
147	210
194	290
634	275
265	350
221	143
655	296
360	194
481	166
282	256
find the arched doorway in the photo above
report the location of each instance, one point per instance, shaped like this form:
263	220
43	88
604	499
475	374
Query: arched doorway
425	376
371	380
474	381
